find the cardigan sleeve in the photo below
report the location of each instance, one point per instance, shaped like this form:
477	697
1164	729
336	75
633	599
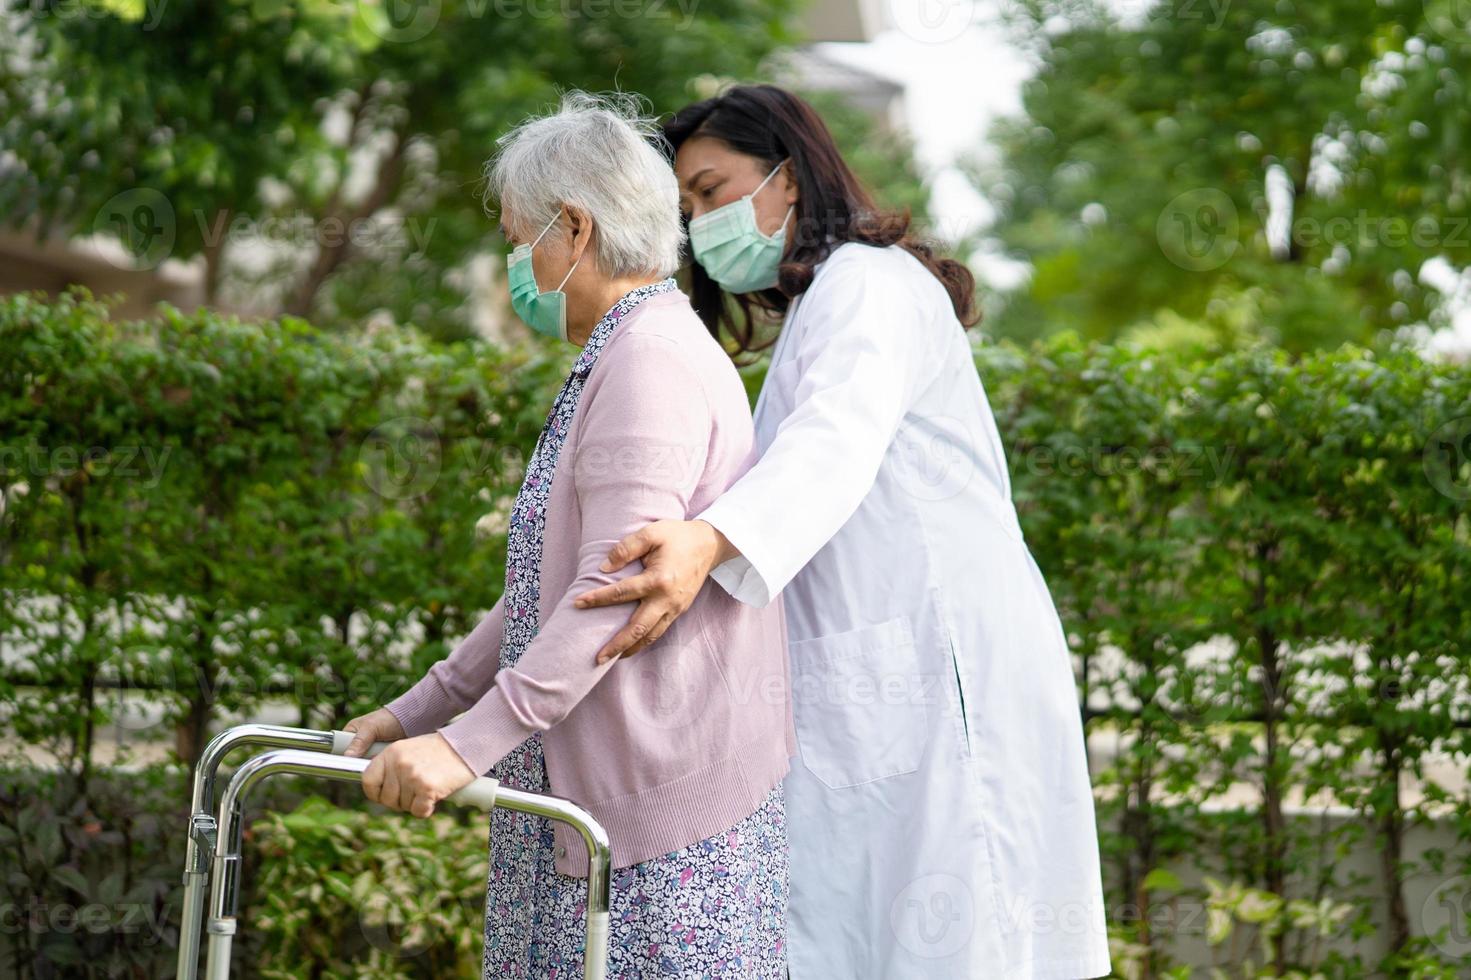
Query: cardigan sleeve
863	355
457	681
645	433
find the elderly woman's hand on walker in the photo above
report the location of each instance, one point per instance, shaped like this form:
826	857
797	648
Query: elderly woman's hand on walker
411	775
375	726
415	774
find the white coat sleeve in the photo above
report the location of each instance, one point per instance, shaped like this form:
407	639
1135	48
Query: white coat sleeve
864	355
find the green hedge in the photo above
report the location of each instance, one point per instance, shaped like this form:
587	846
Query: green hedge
225	511
91	882
1310	518
357	895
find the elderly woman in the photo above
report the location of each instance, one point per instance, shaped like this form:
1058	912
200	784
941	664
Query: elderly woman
682	765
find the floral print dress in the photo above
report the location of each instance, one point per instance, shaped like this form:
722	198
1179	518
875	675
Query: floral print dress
714	909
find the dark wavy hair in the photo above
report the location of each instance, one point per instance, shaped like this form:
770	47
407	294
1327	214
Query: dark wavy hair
772	125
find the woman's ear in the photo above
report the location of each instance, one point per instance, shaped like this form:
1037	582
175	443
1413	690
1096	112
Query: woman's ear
789	177
580	226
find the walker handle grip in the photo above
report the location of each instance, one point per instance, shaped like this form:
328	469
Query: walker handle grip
480	794
341	740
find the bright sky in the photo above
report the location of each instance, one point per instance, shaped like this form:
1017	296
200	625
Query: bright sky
960	73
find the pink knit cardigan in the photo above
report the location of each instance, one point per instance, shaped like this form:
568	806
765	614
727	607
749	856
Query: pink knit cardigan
685	739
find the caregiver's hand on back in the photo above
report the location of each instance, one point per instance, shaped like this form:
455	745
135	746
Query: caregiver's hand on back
677	558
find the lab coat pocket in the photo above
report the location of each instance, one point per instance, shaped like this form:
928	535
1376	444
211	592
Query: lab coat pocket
859	703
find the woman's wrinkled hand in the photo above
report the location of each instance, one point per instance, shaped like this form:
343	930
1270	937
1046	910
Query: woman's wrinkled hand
375	726
413	775
677	558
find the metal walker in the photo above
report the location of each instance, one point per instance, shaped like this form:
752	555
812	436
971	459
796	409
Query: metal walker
215	834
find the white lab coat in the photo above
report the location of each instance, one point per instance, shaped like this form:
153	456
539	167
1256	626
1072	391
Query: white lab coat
941	820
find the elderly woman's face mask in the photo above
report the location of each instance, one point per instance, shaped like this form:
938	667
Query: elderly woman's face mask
545	313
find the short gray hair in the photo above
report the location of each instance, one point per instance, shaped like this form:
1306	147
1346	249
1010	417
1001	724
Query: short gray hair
597	153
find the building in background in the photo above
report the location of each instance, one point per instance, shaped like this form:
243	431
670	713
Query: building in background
843	20
28	264
813	69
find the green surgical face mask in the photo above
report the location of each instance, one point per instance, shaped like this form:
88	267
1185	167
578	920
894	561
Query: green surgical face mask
731	249
546	313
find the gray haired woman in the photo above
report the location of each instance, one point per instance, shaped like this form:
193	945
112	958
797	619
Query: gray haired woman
682	764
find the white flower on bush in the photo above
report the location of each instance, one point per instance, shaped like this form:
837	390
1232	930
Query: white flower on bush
495	523
15	491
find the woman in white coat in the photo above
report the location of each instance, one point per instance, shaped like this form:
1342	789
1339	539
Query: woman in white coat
941	821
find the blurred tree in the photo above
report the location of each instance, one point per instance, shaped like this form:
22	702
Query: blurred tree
157	124
345	138
1277	167
882	158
